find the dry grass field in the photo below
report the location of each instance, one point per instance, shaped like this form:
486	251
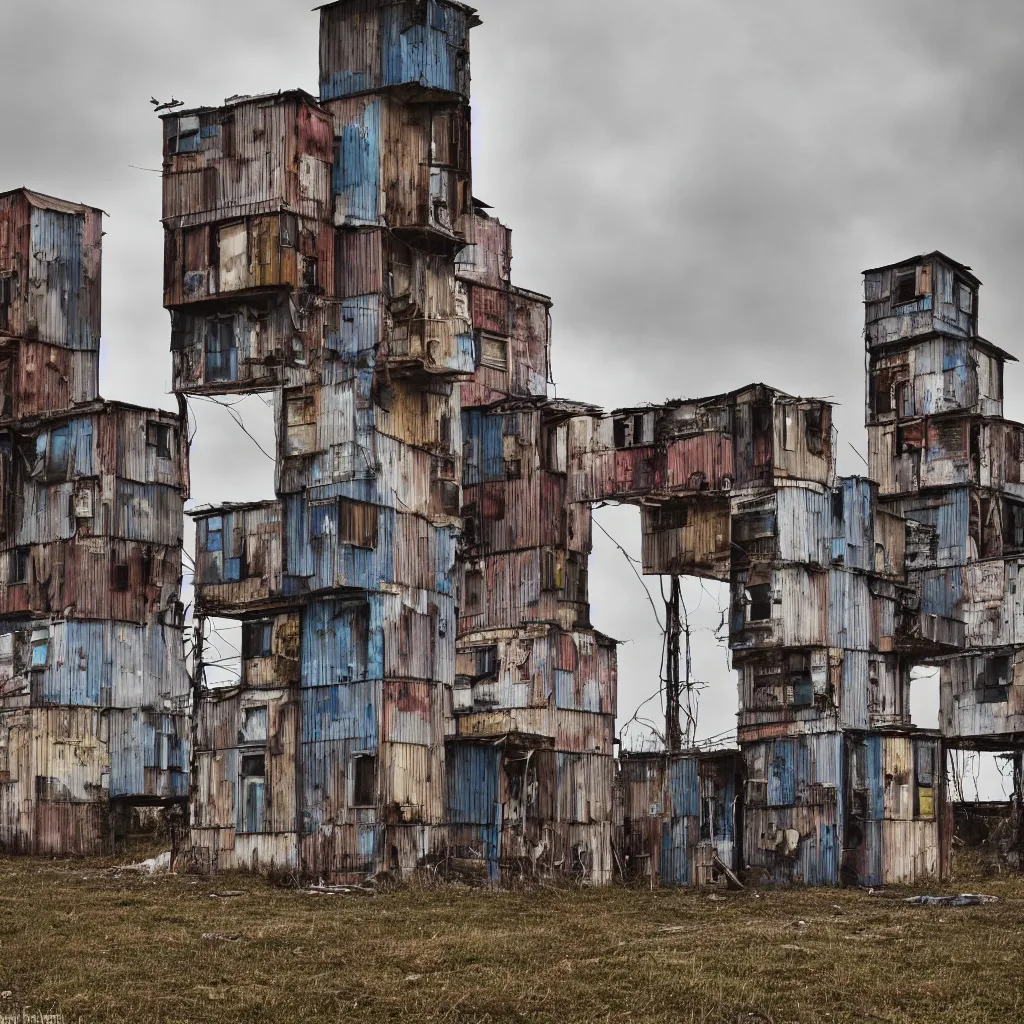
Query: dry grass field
95	944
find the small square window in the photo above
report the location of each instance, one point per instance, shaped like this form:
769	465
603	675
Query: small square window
158	436
364	781
40	652
493	352
254	727
904	286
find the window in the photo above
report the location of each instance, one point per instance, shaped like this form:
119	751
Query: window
5	301
254	725
221	353
669	517
357	523
493	352
289	231
214	534
513	469
965	298
253	779
310	273
759	598
1013	527
904	286
474	592
924	780
119	577
814	429
17	569
158	436
182	135
58	452
364	780
300	425
40	656
257	639
789	415
993	682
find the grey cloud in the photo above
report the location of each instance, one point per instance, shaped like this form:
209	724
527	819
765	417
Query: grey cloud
698	185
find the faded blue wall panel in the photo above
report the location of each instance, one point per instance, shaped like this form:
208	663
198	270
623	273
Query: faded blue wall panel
57	309
347	712
473	780
342	641
674	866
357	168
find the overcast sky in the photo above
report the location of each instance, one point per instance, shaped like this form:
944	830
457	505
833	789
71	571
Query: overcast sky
697	184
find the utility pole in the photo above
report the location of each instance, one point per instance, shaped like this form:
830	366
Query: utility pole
673	728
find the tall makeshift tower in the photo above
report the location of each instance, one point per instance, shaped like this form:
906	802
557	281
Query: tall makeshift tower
93	688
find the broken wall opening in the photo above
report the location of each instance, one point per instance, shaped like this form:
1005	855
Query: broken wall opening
618	598
924	696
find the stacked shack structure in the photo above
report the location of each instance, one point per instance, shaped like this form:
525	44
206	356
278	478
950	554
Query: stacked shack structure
93	688
421	685
329	252
947	460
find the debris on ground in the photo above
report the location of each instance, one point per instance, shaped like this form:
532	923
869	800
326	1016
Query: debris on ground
965	899
153	866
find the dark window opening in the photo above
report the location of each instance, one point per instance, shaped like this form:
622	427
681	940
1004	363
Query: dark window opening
1013	527
994	680
158	436
310	273
17	571
254	766
909	437
221	353
449	496
924	780
119	577
257	639
904	286
364	781
514	469
5	302
760	602
814	429
669	517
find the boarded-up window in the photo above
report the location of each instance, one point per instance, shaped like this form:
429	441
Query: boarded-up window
233	247
909	437
357	523
300	425
493	352
364	780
